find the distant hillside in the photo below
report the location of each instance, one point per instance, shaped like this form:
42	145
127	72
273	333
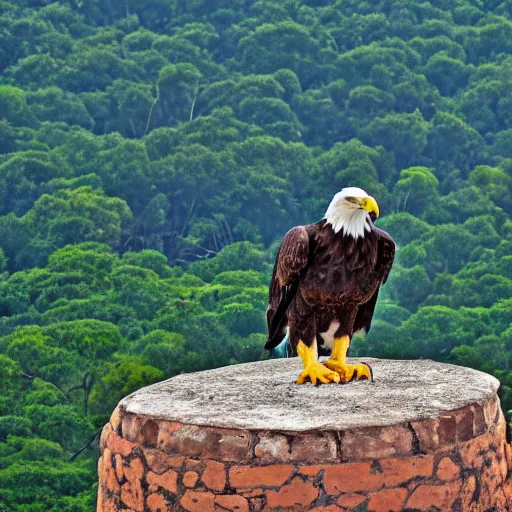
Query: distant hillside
153	154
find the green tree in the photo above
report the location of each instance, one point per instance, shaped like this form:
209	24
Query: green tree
403	134
452	140
78	215
284	45
128	375
416	188
13	105
446	73
178	87
221	125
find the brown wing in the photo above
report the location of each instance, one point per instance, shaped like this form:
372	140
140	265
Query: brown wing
386	254
385	257
291	260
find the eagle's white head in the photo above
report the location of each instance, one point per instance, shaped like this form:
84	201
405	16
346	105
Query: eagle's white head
350	210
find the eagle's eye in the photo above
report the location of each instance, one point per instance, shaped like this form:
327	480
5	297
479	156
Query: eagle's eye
353	200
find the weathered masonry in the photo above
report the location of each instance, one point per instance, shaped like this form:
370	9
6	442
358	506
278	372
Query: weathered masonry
424	436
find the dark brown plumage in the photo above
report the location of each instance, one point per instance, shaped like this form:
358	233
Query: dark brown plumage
321	276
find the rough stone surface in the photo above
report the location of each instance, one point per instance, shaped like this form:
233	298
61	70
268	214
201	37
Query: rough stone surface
331	448
264	396
214	475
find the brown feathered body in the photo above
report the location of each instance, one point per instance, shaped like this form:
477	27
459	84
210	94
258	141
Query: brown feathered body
322	279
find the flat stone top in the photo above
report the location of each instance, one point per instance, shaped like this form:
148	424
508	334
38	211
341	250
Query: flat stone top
264	396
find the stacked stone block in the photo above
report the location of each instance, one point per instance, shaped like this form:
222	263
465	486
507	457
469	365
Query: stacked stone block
457	462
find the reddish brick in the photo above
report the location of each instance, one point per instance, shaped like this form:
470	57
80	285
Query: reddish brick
175	462
328	508
501	500
398	471
167	480
149	433
214	475
215	443
159	462
508	454
99	498
467	494
479	423
198	501
105	433
166	432
490	476
502	462
447	429
231	502
190	479
131	427
351	478
296	494
310	470
132	495
134	470
229	445
272	448
429	496
485	498
109	474
102	474
115	420
491	411
348	501
111	504
118	464
257	504
319	447
501	428
447	469
501	425
112	482
251	493
376	443
465	422
141	430
268	476
193	465
170	426
508	491
119	445
156	503
388	500
473	452
427	432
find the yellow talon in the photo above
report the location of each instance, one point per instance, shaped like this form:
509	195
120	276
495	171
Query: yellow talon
317	373
338	363
349	372
313	370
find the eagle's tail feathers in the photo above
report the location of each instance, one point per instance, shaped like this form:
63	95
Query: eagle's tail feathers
282	350
280	318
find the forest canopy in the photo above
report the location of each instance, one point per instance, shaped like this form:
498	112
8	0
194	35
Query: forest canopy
154	153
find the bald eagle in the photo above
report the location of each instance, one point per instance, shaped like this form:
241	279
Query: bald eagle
325	284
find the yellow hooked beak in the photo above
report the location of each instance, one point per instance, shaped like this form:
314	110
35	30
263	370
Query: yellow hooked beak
370	205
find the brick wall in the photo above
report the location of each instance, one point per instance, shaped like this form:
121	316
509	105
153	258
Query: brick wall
457	462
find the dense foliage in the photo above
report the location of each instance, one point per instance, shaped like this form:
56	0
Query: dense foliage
152	155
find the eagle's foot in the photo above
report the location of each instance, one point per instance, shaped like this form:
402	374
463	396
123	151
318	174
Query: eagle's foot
317	373
349	372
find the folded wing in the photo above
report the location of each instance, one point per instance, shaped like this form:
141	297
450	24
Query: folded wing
385	257
291	262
